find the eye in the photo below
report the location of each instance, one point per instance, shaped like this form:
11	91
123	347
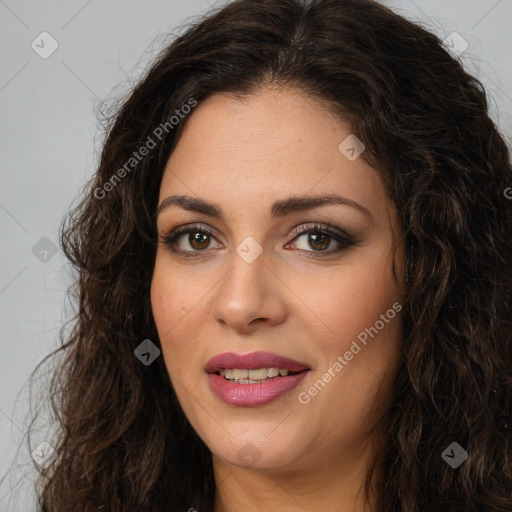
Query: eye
317	240
321	239
198	239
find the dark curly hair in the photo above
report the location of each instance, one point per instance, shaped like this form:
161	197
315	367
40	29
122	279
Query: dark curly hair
124	443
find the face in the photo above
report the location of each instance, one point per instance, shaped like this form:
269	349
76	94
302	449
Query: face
251	270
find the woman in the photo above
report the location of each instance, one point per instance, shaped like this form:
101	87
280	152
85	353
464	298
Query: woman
294	269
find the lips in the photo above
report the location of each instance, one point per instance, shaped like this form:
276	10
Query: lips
250	392
253	361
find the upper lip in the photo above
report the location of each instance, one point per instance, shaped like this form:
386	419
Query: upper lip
253	361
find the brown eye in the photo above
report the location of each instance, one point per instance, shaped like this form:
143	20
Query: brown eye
315	241
198	240
319	242
189	240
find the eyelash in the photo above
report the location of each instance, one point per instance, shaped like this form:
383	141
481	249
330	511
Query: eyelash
343	239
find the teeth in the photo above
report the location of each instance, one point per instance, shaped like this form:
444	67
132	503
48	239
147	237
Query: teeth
250	376
272	372
240	374
258	374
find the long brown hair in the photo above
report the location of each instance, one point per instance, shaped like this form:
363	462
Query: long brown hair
124	442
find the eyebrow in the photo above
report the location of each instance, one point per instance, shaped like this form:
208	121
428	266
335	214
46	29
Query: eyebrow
279	208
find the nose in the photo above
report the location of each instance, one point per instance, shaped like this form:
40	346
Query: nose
249	296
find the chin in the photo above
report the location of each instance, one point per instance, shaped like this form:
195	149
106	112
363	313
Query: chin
253	450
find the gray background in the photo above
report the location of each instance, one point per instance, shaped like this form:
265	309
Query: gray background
49	146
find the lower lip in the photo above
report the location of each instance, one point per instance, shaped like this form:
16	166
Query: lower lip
252	395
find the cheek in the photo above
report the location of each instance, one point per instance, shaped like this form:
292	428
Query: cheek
364	330
162	301
172	297
177	308
353	298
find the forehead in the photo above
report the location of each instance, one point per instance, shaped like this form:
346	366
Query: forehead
273	143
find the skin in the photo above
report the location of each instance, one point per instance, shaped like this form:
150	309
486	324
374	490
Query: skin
243	156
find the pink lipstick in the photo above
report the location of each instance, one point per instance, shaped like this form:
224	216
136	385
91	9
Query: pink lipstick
253	379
